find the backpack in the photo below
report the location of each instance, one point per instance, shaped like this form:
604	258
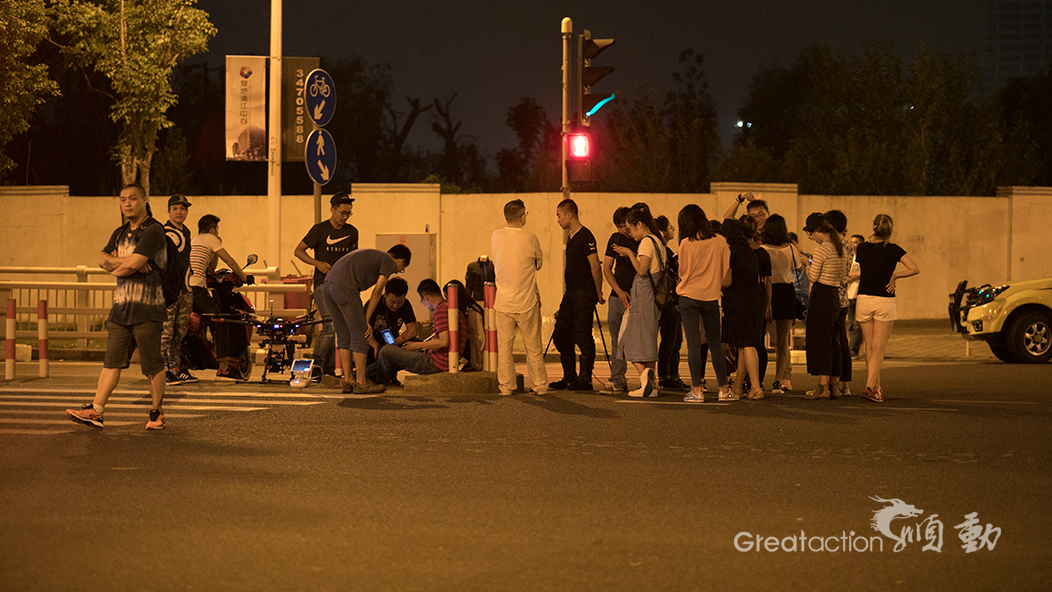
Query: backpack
172	281
664	290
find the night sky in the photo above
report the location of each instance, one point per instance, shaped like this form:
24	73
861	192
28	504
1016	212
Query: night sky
493	52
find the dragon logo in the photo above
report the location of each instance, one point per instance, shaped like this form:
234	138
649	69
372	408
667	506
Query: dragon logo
883	518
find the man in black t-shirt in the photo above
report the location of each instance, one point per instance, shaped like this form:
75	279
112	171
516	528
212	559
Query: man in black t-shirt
584	289
329	240
619	273
392	312
136	255
179	312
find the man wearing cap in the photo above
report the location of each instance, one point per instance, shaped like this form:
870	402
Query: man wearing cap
178	313
329	240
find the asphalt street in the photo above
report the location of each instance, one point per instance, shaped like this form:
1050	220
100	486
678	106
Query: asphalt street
259	487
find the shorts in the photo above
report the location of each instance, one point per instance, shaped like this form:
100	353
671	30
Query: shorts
875	308
783	302
122	342
348	320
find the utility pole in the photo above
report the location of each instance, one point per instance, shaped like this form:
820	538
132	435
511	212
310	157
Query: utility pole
274	140
567	32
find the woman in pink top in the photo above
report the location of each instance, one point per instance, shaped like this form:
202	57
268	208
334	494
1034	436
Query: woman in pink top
704	270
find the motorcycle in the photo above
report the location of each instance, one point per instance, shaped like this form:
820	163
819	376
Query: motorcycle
237	311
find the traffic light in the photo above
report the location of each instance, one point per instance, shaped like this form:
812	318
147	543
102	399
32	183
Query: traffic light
588	75
579	156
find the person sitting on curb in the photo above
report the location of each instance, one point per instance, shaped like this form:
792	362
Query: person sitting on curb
431	355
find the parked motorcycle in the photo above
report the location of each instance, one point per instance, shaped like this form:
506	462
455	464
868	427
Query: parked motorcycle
236	310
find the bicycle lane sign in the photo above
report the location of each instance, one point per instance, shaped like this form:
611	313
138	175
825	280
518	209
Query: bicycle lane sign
320	96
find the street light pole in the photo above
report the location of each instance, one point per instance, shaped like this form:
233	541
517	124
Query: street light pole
274	140
567	31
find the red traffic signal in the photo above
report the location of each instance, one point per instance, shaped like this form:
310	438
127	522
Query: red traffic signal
578	146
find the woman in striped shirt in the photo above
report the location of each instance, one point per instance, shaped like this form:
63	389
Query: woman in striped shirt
826	272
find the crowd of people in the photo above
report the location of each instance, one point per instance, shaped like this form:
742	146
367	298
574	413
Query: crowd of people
737	285
722	289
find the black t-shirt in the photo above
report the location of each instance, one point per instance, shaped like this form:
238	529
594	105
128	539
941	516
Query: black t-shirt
181	240
139	297
764	259
624	273
329	244
395	320
578	274
876	263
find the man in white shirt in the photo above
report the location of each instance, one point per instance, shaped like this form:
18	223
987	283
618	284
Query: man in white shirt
516	255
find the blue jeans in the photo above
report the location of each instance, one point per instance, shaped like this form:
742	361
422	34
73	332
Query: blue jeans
393	358
695	314
325	345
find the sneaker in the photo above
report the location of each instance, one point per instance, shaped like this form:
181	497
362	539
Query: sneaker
171	378
542	391
845	390
85	415
185	377
646	388
348	388
156	420
580	386
674	384
787	386
614	388
729	396
559	385
368	388
776	388
694	398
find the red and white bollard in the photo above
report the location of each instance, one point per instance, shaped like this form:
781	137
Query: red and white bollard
9	363
45	369
489	356
452	302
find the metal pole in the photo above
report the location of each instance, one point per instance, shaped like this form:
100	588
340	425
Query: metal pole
274	139
567	31
454	328
42	326
9	363
317	192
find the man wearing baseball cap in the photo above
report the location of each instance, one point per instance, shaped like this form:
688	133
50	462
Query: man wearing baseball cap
178	313
329	240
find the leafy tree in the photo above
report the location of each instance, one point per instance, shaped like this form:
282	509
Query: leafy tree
522	168
23	86
691	118
1025	121
136	45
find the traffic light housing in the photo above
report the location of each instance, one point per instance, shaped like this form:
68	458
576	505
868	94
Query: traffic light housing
588	75
579	156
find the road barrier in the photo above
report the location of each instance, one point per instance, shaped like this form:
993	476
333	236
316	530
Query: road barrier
452	302
489	355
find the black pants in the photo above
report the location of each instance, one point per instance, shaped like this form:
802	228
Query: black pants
204	304
671	331
824	329
845	346
573	326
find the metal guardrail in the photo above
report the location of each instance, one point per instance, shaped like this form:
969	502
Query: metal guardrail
82	305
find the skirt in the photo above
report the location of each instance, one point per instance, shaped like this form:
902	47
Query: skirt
637	341
783	301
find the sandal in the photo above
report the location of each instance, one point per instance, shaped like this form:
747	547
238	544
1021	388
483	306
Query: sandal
872	394
755	395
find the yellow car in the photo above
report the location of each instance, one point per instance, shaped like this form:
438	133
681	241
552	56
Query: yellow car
1014	319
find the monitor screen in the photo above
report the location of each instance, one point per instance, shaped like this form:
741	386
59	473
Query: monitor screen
388	336
301	365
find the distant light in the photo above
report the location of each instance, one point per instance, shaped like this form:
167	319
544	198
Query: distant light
740	123
748	125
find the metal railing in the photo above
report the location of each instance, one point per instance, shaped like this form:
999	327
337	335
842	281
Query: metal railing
78	309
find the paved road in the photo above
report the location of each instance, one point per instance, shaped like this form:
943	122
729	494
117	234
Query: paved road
257	488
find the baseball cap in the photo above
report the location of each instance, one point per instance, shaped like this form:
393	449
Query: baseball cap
178	200
813	221
341	197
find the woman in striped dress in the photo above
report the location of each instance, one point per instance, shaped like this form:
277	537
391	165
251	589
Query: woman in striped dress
826	272
743	304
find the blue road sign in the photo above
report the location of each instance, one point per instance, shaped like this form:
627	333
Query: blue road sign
320	155
320	96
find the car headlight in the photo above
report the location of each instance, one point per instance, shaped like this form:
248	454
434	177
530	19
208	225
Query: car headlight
986	295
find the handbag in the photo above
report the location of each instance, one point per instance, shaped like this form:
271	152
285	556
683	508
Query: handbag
800	312
665	289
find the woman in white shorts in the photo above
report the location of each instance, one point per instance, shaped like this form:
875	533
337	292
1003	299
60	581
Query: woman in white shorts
878	259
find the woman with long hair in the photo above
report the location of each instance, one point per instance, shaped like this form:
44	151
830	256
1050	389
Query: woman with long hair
704	268
826	272
784	260
638	340
875	309
669	327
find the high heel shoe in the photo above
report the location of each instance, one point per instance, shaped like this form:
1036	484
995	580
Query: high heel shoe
755	395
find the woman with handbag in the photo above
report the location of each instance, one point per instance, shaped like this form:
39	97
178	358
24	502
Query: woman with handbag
638	340
705	268
785	258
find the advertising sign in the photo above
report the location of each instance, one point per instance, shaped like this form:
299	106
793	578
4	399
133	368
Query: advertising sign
246	113
294	118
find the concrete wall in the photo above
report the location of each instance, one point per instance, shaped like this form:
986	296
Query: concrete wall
982	239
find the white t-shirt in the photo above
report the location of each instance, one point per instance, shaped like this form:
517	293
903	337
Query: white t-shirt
646	249
203	258
784	260
516	255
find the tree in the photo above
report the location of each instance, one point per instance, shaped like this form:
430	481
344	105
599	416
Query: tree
136	45
23	24
532	128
